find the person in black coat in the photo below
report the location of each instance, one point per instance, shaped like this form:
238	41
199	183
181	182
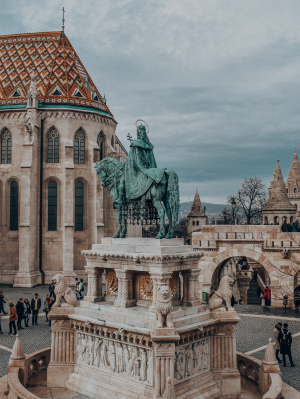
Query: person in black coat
2	301
285	339
20	312
284	227
51	290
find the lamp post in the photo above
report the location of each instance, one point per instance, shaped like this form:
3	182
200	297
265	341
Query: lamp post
233	205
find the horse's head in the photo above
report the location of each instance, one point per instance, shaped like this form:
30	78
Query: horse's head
101	172
107	168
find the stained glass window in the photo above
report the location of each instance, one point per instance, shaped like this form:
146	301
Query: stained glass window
52	206
14	206
79	206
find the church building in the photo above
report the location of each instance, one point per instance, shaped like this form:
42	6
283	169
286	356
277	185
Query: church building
54	127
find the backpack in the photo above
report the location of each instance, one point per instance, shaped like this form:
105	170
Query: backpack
285	339
82	288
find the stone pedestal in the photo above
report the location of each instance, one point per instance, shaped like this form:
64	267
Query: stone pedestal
108	349
244	277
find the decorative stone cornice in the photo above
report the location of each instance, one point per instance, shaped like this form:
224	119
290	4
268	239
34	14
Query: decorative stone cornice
108	332
196	334
134	259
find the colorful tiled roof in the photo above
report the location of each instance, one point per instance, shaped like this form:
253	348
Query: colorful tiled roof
61	78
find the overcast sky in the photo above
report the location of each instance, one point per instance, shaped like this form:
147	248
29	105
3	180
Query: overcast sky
217	81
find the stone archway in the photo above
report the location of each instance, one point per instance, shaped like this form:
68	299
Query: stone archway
209	270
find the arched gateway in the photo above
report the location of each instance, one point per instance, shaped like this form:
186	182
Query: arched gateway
278	253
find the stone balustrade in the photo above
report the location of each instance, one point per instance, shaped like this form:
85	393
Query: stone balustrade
17	377
249	367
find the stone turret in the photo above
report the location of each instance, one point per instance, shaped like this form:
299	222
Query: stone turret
279	207
197	216
293	183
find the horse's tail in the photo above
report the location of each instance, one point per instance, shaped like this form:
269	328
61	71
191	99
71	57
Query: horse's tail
173	196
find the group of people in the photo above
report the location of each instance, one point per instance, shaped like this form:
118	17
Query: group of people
24	310
288	227
283	343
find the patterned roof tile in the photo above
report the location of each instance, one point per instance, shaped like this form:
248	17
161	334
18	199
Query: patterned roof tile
58	69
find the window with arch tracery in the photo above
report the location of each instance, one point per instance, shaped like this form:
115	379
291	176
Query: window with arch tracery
53	146
5	146
101	142
79	147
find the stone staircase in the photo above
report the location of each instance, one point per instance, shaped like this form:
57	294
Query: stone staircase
252	298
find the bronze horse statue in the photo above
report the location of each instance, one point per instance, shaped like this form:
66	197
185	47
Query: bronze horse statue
164	195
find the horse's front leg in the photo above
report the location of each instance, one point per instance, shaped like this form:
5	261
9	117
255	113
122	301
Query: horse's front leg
161	214
118	232
124	231
169	215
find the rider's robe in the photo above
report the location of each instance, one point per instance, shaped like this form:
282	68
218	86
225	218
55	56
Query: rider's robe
140	169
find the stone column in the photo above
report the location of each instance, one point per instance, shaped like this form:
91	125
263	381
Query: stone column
191	295
94	290
63	350
223	355
158	280
125	289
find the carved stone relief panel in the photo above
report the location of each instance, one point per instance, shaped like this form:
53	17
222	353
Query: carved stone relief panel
131	361
192	360
146	287
112	283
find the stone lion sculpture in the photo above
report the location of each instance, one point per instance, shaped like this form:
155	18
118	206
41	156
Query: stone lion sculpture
63	291
164	307
223	294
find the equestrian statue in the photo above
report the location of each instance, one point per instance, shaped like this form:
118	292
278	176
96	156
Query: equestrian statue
139	183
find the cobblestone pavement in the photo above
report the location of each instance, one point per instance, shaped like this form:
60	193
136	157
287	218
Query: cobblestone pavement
252	332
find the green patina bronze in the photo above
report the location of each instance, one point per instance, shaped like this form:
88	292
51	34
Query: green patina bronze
139	179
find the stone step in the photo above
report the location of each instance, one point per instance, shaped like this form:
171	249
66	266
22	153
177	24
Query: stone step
207	390
142	241
140	250
191	319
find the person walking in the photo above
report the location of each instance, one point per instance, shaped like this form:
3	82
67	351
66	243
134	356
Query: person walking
80	288
46	305
51	290
285	339
267	295
77	282
20	313
12	318
277	344
27	311
35	307
51	303
2	301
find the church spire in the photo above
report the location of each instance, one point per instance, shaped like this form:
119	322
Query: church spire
294	173
196	209
278	198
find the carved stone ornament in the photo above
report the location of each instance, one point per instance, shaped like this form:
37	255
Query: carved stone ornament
112	283
191	360
63	291
146	288
164	307
223	294
109	355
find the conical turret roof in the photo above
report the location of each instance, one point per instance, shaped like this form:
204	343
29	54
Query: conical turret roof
278	198
294	174
196	209
60	76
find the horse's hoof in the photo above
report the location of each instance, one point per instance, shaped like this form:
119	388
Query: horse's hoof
117	235
159	236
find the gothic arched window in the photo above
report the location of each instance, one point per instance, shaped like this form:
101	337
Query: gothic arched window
14	206
101	142
112	141
295	190
53	146
79	206
52	206
5	146
79	146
